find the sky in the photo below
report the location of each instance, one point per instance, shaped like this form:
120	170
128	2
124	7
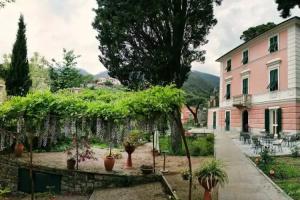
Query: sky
56	24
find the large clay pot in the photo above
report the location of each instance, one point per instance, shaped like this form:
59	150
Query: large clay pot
129	149
109	163
71	164
208	185
19	148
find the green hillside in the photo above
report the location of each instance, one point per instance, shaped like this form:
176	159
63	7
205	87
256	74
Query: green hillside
201	83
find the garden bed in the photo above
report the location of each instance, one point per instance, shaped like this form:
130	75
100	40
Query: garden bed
286	174
198	145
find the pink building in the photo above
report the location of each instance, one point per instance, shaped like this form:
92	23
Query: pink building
260	83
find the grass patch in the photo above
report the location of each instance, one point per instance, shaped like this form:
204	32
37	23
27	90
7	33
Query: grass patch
287	174
198	146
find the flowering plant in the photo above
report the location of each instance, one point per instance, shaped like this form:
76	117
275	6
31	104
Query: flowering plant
84	150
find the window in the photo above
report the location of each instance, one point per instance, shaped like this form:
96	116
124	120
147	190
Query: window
273	44
245	57
227	96
245	86
228	66
273	86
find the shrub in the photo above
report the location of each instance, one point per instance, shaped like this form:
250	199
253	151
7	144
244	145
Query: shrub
295	151
265	157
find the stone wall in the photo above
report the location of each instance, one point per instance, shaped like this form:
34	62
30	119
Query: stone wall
72	181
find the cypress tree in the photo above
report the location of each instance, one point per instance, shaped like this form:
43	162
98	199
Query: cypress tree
18	80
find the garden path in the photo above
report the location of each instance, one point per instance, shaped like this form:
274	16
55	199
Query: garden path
245	181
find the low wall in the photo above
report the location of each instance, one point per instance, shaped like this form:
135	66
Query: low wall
72	181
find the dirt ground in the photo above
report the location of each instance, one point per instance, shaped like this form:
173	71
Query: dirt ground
44	197
141	156
181	187
152	191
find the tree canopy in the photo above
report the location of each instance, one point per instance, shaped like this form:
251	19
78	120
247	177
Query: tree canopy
4	2
18	81
106	104
152	42
64	74
285	6
254	31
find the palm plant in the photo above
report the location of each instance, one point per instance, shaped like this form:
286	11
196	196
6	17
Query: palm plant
209	175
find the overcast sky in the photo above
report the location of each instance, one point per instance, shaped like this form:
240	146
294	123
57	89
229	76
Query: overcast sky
56	24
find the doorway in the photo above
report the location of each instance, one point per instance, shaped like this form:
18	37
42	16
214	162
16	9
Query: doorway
273	121
214	120
227	121
245	124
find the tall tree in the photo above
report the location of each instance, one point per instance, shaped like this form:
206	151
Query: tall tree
18	79
193	103
152	41
254	31
4	2
64	74
39	72
285	6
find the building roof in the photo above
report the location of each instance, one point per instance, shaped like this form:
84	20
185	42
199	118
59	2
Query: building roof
296	18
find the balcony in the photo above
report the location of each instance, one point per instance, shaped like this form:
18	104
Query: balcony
242	101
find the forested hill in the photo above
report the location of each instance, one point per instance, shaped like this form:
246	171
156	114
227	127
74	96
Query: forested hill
198	82
201	83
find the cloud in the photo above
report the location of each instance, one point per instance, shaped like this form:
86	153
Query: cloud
51	26
56	24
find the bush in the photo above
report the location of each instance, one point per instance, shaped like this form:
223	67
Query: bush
198	146
295	151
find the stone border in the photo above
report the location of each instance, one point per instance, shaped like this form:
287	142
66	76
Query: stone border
269	179
73	181
168	188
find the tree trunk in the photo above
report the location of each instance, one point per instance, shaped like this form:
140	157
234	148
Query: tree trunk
176	141
182	133
195	116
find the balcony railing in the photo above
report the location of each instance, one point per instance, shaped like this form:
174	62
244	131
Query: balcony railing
241	101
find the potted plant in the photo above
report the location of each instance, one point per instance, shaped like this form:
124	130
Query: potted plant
19	148
84	153
71	161
109	161
130	143
185	174
209	175
146	169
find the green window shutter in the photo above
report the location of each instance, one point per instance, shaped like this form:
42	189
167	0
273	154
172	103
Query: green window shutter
228	67
267	120
279	120
245	57
245	86
276	79
228	91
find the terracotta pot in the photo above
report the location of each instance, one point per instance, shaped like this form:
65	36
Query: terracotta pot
129	149
19	148
109	163
208	186
71	164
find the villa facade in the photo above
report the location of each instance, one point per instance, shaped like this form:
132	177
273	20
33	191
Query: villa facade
260	83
